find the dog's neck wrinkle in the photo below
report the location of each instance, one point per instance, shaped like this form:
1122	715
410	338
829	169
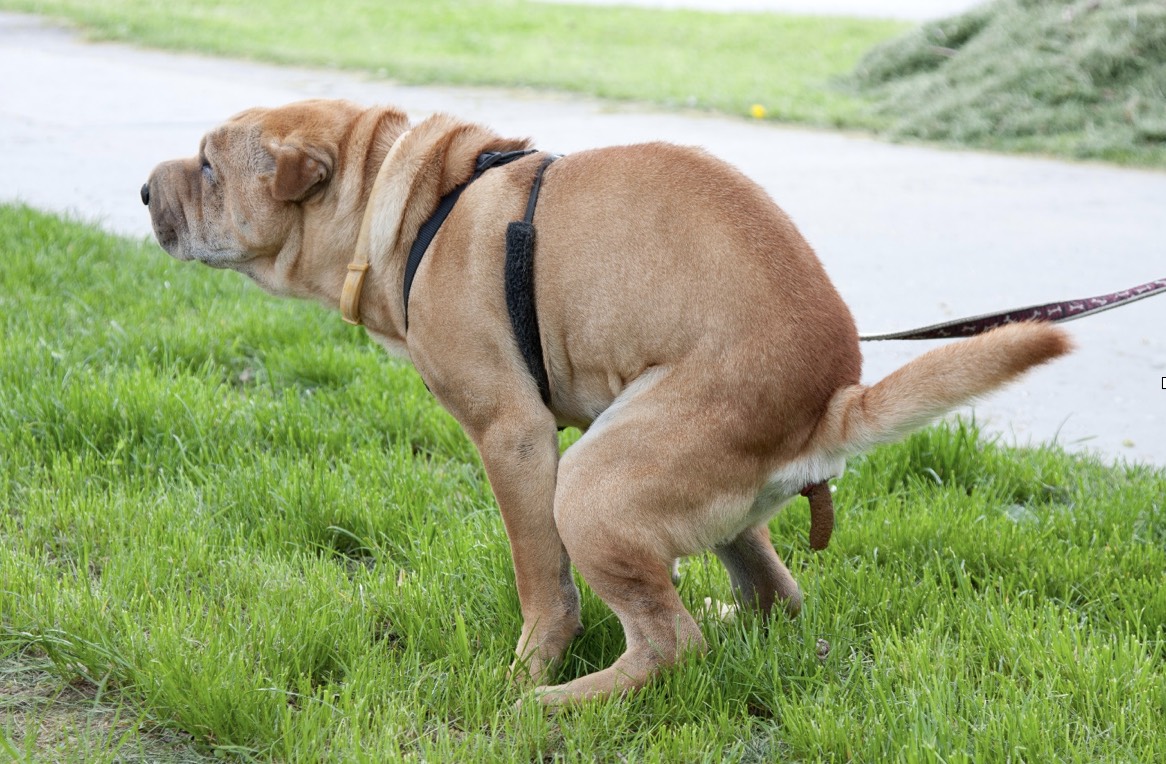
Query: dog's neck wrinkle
390	126
289	271
380	301
382	309
289	263
385	314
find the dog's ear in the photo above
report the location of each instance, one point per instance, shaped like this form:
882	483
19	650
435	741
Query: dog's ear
299	172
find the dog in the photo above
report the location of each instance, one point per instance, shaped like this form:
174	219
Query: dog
682	322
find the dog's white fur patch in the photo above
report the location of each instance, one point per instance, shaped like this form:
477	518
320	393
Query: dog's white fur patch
731	517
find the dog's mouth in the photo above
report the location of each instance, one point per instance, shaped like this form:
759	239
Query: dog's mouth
174	202
172	231
166	233
168	239
185	249
163	219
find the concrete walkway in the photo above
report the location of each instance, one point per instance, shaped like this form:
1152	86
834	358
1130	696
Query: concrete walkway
910	235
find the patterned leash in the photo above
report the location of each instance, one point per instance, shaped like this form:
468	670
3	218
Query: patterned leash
1055	312
822	504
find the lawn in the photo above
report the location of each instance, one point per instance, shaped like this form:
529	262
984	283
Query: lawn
230	527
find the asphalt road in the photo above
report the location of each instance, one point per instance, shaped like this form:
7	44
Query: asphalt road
910	235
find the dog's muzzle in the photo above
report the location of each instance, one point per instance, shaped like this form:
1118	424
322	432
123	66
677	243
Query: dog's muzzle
146	194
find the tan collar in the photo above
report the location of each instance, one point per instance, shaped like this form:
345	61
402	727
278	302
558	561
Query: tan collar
353	284
381	225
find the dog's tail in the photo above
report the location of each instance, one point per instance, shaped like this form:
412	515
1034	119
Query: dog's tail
933	384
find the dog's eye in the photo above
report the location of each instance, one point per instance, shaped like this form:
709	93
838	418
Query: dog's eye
208	171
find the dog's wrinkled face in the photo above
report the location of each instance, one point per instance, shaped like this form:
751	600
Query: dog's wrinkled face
276	194
235	200
239	200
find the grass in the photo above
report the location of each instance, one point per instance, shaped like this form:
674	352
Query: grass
233	528
723	62
1079	78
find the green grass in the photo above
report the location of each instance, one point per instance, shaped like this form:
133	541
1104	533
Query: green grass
1079	78
725	62
231	526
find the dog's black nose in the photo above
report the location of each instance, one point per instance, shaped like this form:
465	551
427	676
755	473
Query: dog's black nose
145	193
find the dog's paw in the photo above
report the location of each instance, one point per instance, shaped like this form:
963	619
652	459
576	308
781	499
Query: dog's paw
573	693
533	670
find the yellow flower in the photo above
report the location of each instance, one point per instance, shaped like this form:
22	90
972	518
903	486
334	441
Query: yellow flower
758	111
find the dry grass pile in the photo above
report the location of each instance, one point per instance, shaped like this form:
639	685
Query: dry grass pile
1085	78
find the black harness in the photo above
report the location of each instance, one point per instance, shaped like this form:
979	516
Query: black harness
519	278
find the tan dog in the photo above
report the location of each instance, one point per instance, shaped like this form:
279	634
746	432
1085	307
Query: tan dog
685	324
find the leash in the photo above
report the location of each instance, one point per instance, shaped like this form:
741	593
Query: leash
1053	312
822	504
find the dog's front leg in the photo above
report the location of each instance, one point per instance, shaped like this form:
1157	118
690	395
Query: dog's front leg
521	456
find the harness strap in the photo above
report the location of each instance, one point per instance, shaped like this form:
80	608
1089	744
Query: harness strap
520	302
430	227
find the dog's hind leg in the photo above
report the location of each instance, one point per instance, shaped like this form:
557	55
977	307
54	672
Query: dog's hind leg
635	582
759	577
646	484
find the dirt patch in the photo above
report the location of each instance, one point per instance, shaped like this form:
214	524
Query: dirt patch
44	718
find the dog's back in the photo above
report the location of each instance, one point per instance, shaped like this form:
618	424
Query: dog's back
661	255
676	254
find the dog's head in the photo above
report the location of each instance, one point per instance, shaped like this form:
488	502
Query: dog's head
268	178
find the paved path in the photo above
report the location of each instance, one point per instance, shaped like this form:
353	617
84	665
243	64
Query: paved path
910	235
